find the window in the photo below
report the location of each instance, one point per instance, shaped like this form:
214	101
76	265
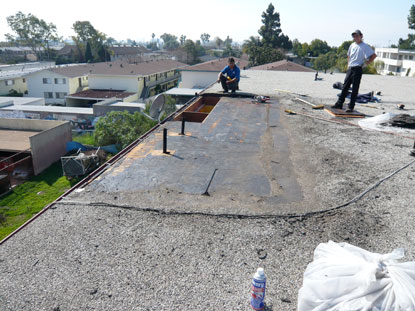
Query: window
9	82
48	95
60	81
60	95
400	57
411	57
24	80
47	81
406	56
80	82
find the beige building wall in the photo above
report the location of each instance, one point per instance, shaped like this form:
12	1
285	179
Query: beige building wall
49	146
18	84
106	82
36	87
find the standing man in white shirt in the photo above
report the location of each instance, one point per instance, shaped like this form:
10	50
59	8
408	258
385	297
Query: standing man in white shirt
359	54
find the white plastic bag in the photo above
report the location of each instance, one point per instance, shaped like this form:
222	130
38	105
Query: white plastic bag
345	277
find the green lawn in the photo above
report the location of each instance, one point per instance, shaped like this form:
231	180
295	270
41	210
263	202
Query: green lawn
85	139
29	198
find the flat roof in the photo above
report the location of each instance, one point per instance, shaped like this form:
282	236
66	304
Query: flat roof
125	104
15	141
182	91
51	109
275	182
100	94
20	100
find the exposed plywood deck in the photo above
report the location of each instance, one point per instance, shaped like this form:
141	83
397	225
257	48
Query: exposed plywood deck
15	141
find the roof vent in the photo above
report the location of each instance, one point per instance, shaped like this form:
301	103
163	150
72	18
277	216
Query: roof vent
121	66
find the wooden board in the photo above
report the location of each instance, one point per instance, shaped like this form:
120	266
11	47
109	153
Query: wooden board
342	113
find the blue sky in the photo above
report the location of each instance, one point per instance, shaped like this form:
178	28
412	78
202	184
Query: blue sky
382	22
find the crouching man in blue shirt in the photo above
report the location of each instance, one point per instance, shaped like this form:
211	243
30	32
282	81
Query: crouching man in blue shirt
229	76
359	54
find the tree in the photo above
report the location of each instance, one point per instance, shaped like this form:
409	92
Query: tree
318	47
182	39
271	32
88	53
110	41
218	42
411	17
31	31
205	38
342	63
227	41
85	33
325	61
300	49
409	43
191	53
170	41
121	128
260	54
344	46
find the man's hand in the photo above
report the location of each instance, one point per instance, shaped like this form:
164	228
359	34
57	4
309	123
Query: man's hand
371	59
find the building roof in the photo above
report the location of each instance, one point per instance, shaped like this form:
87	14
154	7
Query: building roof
283	65
51	109
100	94
20	101
129	50
135	69
21	70
14	140
72	70
216	65
179	91
144	221
67	49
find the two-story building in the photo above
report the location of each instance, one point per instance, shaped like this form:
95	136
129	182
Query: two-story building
396	61
54	84
13	77
127	81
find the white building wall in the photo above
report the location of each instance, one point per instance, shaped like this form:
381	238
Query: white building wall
127	83
197	79
397	62
36	87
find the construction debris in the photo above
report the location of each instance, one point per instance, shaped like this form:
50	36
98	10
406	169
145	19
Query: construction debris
401	120
310	104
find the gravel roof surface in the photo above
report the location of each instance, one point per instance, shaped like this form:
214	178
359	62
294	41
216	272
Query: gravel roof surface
116	251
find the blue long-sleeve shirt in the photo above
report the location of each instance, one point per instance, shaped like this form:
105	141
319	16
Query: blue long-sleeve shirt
232	73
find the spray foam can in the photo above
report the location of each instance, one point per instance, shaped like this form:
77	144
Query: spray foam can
258	290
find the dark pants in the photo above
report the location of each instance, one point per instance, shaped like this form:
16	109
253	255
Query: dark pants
353	77
228	86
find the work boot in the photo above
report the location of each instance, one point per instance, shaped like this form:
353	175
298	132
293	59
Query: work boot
337	105
350	109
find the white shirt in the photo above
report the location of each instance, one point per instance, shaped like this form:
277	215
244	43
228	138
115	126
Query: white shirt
358	53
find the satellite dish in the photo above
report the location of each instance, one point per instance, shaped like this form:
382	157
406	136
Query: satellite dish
157	106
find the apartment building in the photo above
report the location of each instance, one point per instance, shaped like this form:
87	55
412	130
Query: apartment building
397	62
54	84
